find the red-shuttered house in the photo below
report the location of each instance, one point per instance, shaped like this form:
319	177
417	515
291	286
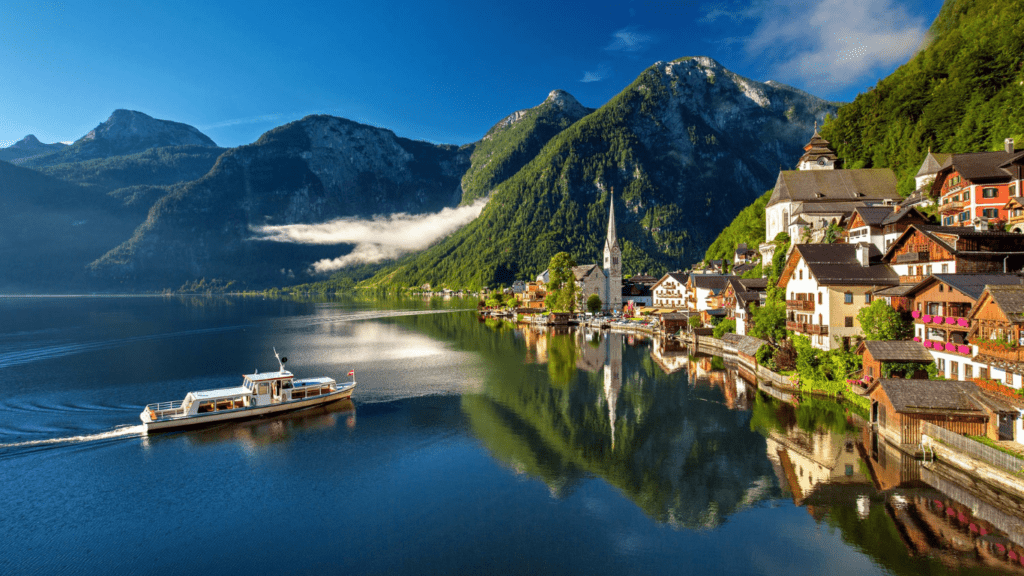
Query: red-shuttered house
978	186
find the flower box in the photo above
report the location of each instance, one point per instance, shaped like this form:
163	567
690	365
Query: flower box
917	339
938	319
950	320
950	347
916	313
927	343
926	318
963	349
963	322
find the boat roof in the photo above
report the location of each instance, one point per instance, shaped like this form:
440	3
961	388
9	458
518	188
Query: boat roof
316	380
258	376
221	393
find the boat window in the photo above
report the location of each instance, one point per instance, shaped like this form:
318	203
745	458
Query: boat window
224	404
262	389
287	384
206	406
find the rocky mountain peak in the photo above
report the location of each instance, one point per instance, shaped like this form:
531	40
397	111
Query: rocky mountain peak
130	126
565	101
29	141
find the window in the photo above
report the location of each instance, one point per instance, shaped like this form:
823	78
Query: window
945	268
1013	189
801	274
940	364
968	371
990	212
941	286
928	269
819	297
954	369
867	298
848	322
963	216
989	192
848	298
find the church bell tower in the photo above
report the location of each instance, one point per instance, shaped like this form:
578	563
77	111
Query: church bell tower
612	262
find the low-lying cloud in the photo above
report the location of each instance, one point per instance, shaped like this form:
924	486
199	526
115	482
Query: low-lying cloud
378	239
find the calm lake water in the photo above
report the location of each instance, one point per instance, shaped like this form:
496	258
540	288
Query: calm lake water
469	448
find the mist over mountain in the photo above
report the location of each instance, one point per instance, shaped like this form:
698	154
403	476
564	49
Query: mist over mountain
684	147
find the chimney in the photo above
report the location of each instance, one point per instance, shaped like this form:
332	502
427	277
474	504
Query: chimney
1008	144
862	254
981	224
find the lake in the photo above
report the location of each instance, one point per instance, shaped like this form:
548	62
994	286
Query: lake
468	447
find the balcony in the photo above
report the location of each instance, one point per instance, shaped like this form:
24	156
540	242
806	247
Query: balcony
1001	352
940	321
907	257
911	279
947	347
800	305
806	328
951	207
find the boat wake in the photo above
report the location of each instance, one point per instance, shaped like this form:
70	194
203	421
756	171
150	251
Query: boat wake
25	356
119	432
375	314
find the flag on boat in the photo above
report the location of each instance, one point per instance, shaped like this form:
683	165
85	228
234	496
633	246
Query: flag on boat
351	372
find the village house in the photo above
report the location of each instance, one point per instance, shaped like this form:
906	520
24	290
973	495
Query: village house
940	305
533	296
923	250
1014	208
671	291
898	407
826	286
740	295
881	225
744	255
877	353
997	331
702	288
978	185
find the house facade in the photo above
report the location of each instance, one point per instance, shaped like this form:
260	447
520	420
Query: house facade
671	291
997	332
826	286
923	250
703	291
978	185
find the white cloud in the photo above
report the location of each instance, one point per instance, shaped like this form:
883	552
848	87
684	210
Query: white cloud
382	238
602	72
833	44
629	39
240	121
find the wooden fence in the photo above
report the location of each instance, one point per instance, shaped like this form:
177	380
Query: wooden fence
973	448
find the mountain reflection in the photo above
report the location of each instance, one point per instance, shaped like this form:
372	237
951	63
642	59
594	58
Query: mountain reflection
605	408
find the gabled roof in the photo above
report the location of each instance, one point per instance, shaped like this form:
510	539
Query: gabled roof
836	264
677	276
904	212
874	215
930	395
760	284
581	272
831	208
643	279
741	248
713	282
979	166
1010	300
898	351
933	163
947	237
972	285
740	269
834	185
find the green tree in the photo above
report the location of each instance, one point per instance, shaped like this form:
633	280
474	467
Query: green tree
727	326
694	322
562	284
879	321
594	303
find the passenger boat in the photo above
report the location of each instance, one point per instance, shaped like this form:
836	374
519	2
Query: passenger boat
260	394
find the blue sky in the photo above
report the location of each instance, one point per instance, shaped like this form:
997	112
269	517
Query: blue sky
440	71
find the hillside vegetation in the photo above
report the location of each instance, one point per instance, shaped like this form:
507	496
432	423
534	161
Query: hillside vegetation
748	227
964	92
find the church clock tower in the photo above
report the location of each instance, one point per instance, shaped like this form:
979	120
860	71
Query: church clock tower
612	262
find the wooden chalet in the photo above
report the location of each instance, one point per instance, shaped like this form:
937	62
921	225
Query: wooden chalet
997	328
875	353
881	225
923	250
899	406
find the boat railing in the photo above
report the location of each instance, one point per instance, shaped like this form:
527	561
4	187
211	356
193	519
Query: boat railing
167	409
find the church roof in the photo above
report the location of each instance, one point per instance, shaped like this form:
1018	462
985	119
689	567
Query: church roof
866	184
612	239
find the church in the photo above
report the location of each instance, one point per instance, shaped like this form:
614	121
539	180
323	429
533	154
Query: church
606	280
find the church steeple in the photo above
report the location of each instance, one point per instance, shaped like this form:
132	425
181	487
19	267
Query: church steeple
612	240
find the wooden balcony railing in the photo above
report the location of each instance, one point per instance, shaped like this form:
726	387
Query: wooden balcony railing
806	328
948	207
1009	354
921	256
800	305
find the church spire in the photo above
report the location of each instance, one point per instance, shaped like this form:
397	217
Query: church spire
612	240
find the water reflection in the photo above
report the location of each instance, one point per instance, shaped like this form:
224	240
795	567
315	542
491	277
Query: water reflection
602	407
691	440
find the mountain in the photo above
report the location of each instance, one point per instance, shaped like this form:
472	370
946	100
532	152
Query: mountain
52	230
516	140
28	147
309	171
684	146
125	132
960	93
152	167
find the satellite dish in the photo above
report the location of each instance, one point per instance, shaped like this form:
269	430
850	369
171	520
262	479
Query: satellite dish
284	359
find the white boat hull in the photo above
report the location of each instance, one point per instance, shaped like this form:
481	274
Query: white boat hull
197	420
